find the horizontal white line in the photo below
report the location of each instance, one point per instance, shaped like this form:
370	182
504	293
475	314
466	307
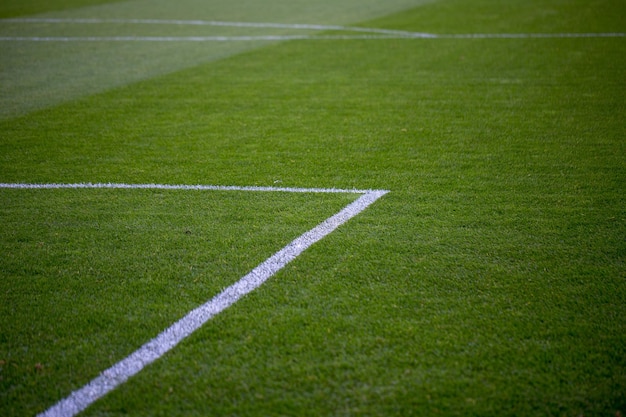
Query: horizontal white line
298	26
195	38
529	35
383	33
184	187
119	373
303	37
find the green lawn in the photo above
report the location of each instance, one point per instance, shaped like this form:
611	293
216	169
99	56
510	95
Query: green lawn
489	281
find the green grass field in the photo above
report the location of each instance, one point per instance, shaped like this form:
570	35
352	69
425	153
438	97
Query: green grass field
489	281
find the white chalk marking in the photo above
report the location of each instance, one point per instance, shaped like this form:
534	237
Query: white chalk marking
119	373
297	26
374	33
303	37
196	38
530	35
172	38
183	187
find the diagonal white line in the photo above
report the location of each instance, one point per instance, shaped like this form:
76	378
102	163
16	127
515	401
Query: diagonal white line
119	373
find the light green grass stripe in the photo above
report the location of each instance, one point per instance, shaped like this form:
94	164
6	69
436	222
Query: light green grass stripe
36	76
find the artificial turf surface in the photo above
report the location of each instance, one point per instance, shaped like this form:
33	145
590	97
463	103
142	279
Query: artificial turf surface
489	281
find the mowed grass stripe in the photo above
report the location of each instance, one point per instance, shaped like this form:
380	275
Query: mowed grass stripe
34	78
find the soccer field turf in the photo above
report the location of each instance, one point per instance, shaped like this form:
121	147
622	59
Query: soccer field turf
489	280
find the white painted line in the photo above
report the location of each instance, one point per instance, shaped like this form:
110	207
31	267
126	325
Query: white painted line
530	35
270	38
195	38
297	26
119	373
375	33
182	187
